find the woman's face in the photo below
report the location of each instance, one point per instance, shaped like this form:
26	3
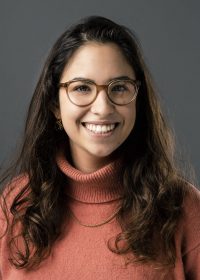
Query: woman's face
91	147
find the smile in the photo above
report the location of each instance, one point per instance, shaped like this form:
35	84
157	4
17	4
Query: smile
98	128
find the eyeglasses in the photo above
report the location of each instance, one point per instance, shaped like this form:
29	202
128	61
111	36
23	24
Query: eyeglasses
83	92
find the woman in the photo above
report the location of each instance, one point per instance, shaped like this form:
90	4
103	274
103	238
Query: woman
97	195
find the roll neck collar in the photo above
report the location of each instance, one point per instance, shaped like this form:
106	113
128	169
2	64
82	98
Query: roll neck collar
103	185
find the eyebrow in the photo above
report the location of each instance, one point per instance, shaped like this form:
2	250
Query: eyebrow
112	79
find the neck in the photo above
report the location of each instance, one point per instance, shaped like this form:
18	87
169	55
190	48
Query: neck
89	164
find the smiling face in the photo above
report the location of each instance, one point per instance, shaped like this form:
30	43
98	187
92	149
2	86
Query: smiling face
97	130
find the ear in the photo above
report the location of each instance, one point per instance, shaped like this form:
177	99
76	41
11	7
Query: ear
56	111
57	114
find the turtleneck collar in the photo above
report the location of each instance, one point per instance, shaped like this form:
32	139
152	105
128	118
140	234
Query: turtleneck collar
103	185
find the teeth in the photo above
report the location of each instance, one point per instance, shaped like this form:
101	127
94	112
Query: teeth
100	128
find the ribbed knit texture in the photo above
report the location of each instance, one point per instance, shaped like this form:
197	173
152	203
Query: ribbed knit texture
82	252
104	185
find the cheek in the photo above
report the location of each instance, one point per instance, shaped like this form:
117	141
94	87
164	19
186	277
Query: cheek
70	119
69	122
68	111
71	116
130	117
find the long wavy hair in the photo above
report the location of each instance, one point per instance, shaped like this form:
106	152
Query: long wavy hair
153	187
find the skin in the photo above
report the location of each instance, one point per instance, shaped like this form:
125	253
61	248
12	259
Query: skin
100	63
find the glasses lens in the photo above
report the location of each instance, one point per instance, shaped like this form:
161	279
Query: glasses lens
122	92
81	92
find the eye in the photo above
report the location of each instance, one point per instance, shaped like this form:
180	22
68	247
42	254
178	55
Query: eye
82	88
78	87
119	88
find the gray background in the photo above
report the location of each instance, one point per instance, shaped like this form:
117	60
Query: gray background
169	35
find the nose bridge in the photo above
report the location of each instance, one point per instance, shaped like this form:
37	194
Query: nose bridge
102	95
104	87
102	104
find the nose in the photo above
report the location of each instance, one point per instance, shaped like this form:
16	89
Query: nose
102	105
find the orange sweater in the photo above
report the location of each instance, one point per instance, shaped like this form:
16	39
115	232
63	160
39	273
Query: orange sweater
82	252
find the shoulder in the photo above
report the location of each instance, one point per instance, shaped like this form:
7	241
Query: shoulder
11	191
191	202
188	233
14	186
189	227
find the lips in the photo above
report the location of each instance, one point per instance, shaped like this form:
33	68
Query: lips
100	128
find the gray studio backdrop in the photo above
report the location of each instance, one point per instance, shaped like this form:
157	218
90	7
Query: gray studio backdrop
169	35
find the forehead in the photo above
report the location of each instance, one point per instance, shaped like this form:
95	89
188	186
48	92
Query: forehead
97	61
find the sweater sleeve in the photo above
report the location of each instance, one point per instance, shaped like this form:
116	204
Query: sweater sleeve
6	200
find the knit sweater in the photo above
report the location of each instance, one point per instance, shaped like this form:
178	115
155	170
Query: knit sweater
82	252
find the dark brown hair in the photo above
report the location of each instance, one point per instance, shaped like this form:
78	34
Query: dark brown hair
153	188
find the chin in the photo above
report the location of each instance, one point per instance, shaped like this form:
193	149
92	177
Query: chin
104	154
